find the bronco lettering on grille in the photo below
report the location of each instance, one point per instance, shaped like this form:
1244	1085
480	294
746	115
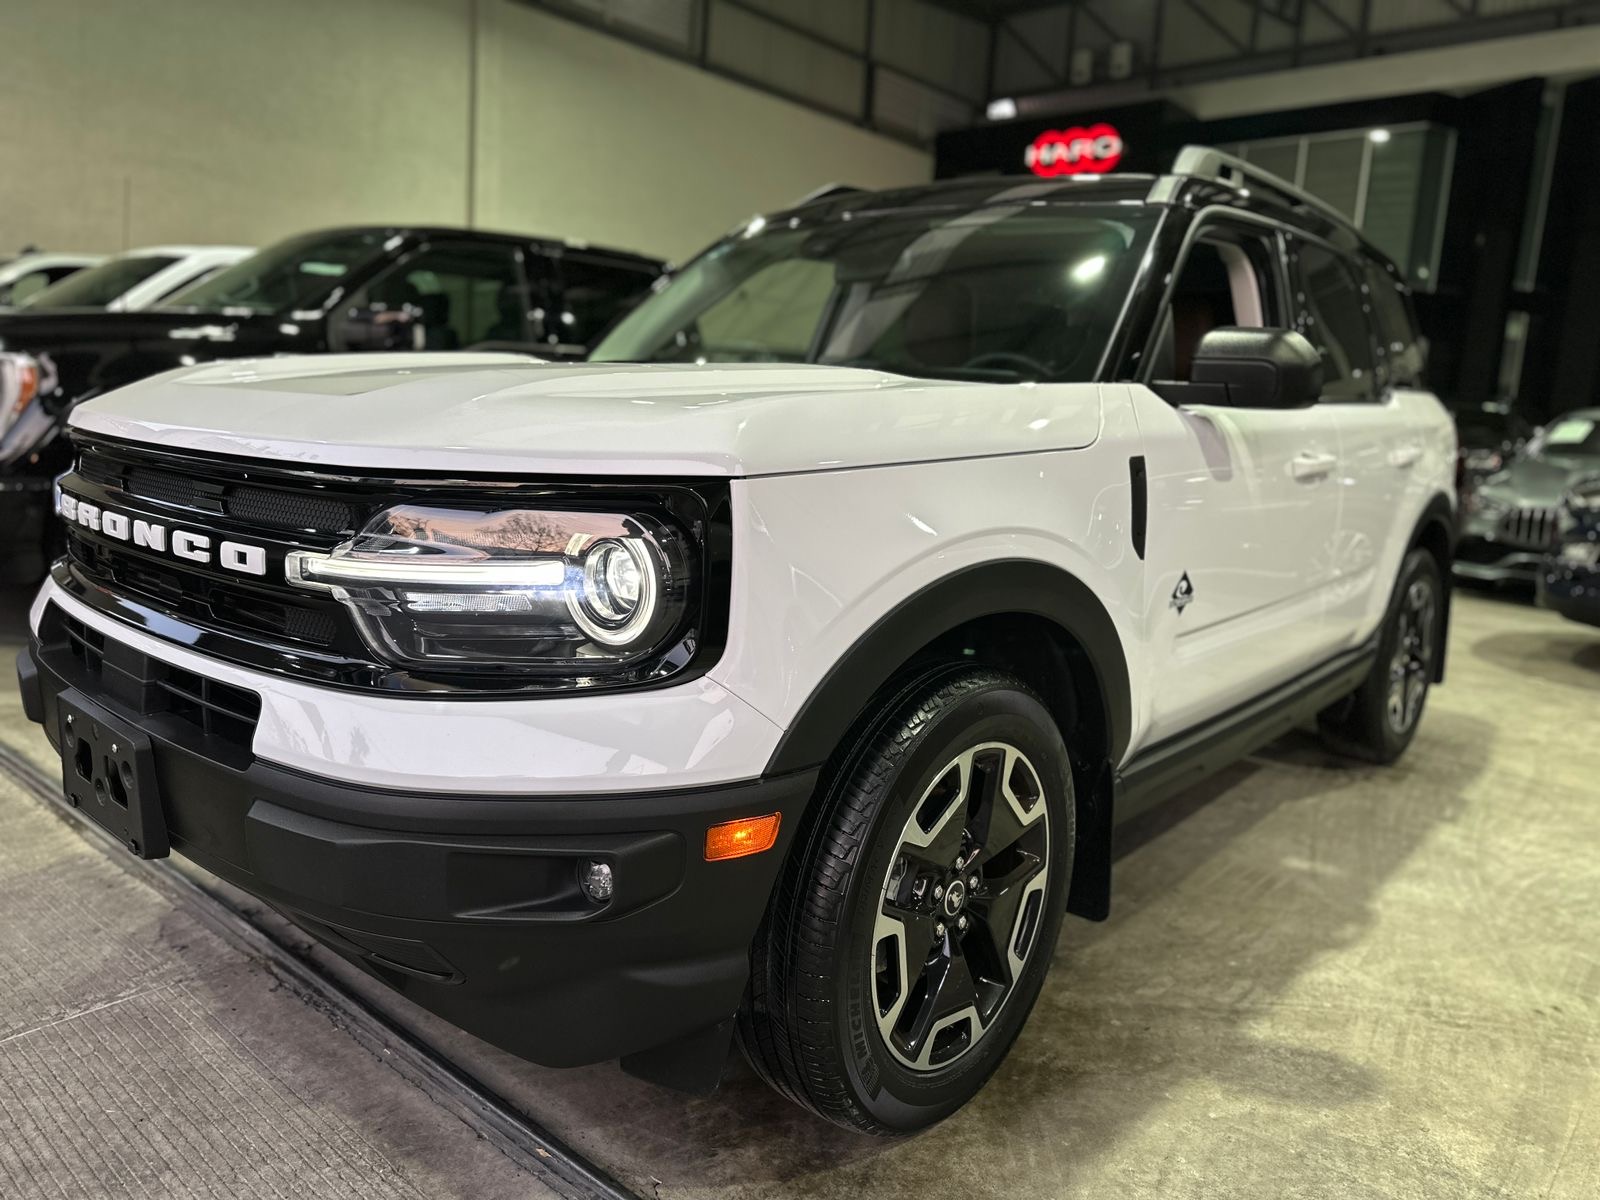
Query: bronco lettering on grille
182	543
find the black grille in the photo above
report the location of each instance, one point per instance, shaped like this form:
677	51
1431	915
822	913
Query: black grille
270	507
153	687
211	599
1530	528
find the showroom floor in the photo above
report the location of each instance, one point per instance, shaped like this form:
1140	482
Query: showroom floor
1320	980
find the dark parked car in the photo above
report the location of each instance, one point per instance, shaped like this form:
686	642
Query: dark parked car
366	288
1570	580
1510	521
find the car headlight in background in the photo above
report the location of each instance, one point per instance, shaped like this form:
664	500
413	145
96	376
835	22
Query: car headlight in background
1488	507
509	587
1585	498
1483	460
19	384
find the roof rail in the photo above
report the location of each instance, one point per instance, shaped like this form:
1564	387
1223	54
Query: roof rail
1204	162
825	191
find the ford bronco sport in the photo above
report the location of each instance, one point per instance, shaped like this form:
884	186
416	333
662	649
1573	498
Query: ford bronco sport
782	674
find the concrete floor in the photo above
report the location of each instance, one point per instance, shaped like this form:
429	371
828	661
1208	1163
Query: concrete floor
1320	980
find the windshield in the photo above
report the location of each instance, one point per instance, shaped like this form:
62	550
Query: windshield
1008	292
99	286
291	275
1569	437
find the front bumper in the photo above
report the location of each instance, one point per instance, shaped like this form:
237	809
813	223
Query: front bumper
468	904
1486	560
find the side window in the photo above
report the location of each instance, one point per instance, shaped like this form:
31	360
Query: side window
1332	314
461	295
27	286
1399	351
1227	279
594	293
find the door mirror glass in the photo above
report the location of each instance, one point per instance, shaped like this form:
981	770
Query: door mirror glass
1256	368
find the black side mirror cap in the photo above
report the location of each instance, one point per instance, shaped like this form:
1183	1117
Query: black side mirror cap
1258	368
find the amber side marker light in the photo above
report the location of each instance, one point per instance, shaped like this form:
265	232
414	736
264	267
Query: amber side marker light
747	835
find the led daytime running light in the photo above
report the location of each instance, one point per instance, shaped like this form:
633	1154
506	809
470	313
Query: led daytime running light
310	569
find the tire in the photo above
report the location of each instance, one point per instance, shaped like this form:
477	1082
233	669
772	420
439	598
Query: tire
857	901
1377	721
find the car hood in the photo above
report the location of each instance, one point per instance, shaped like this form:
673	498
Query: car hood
478	412
1538	482
51	329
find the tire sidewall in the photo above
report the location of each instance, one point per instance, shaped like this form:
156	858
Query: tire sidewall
1419	564
896	1097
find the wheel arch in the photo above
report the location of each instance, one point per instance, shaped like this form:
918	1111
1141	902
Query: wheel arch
1034	619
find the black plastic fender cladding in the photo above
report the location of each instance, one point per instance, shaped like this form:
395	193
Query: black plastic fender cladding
415	585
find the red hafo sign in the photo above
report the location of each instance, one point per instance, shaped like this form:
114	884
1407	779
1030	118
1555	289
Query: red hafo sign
1077	151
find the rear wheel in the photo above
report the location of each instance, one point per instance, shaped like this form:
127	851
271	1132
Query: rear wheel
1379	719
912	929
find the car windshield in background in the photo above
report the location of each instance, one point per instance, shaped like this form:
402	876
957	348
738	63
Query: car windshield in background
1569	437
294	274
1005	292
99	286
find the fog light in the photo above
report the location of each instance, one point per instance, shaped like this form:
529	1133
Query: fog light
595	877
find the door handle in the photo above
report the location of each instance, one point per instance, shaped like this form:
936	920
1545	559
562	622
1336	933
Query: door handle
1405	456
1312	466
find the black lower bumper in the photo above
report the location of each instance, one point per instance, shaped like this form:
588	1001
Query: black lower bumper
470	905
1485	560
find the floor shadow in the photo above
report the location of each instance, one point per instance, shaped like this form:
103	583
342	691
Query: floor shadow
1511	593
1568	656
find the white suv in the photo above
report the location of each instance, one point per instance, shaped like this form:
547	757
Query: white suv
785	672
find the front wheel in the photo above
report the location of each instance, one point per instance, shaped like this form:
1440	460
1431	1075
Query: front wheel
1379	719
911	932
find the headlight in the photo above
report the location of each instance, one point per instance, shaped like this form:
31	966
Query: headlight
1480	505
19	384
1585	498
511	587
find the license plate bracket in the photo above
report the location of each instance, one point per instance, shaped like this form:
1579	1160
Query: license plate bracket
108	773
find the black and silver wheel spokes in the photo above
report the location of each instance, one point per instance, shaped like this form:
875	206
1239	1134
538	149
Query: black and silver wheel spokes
959	906
1412	664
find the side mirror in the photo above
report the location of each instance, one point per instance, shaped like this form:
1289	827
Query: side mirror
1257	368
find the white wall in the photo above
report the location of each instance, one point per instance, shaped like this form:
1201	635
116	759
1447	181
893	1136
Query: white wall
244	121
590	137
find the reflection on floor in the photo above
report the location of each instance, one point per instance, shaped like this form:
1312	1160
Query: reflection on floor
1320	980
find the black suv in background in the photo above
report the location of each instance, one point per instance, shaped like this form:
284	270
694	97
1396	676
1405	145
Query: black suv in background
366	288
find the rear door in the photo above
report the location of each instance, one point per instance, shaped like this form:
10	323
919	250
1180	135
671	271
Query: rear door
1244	503
1355	313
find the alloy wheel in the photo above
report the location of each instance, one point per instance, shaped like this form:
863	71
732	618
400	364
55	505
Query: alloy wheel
959	906
1411	666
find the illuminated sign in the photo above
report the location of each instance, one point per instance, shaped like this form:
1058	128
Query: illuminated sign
1077	151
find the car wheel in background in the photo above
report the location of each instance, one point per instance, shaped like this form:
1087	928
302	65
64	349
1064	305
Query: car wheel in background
1378	720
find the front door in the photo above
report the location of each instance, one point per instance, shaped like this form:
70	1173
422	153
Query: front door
1244	503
